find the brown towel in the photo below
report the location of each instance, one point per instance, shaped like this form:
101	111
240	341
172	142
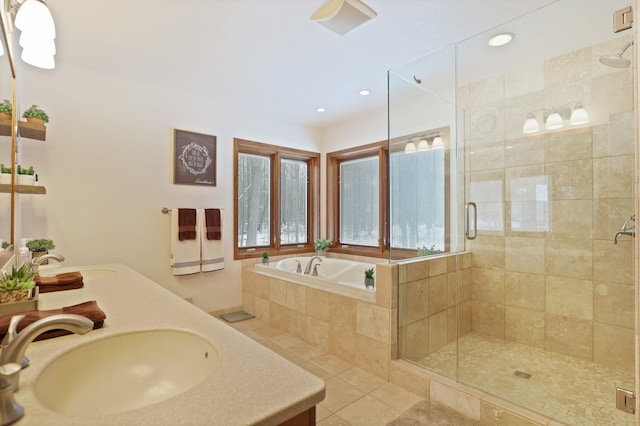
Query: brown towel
186	224
87	309
66	281
212	220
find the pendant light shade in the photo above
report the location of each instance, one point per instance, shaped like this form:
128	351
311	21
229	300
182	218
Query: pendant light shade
409	148
37	34
438	142
554	121
423	145
579	116
530	125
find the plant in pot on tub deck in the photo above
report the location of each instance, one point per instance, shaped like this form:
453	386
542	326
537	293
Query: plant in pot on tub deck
265	258
369	280
321	245
16	286
36	115
26	176
40	247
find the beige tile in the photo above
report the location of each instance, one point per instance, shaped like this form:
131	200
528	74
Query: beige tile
524	254
570	180
611	92
570	297
517	110
396	397
368	411
613	346
339	394
487	252
373	356
331	363
613	262
524	326
452	324
452	284
386	285
466	317
438	293
613	177
296	297
462	402
525	290
500	413
333	420
248	302
278	292
262	287
571	219
342	327
296	324
488	153
278	316
261	309
362	380
417	340
566	69
485	120
317	333
317	304
437	266
570	336
523	151
486	91
373	321
609	214
569	258
264	332
417	300
615	137
410	378
566	147
488	285
614	304
306	351
466	284
438	331
322	413
417	270
524	80
488	318
317	371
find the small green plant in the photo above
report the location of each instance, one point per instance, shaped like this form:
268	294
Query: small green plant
4	169
5	106
40	245
321	244
22	171
424	251
19	279
5	244
34	111
265	255
368	273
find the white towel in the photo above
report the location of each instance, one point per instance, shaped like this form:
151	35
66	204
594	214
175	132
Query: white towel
211	251
185	255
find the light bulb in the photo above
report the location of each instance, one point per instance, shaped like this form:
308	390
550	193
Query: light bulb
554	121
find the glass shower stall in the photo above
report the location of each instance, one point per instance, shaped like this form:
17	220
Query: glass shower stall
536	215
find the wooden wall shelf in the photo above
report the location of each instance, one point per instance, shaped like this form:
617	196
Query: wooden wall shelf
24	189
25	130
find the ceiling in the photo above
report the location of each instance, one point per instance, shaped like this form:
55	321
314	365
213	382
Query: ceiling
266	56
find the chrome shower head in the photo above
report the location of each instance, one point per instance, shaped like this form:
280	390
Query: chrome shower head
616	61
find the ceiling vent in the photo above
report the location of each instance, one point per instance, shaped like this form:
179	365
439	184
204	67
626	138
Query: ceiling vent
342	16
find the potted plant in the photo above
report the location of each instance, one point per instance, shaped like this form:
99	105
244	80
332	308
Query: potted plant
5	175
6	110
424	251
35	115
16	286
321	245
369	280
265	258
26	176
40	247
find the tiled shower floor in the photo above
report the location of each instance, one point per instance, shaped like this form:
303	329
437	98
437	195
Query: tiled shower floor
568	389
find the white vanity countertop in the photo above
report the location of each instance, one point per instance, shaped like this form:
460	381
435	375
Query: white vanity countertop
251	384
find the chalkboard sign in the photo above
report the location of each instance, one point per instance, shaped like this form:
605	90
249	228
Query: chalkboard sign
194	159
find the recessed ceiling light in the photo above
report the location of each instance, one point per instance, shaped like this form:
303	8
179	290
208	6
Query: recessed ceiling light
364	92
320	109
501	39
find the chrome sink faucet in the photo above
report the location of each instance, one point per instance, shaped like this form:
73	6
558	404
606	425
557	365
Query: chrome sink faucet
12	356
307	269
37	261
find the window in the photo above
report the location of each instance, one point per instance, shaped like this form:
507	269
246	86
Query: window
356	200
358	194
277	194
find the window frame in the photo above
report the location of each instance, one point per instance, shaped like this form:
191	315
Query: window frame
276	154
334	159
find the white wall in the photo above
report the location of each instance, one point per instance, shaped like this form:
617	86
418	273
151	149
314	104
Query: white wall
107	166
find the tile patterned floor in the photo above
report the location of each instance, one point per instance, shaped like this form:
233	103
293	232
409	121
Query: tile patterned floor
568	389
354	397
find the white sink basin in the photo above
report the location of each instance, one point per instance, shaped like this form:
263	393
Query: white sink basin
88	273
125	372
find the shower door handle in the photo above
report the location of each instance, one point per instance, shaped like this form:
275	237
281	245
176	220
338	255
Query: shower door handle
467	222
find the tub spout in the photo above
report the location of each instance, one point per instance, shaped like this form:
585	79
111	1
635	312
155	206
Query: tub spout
307	269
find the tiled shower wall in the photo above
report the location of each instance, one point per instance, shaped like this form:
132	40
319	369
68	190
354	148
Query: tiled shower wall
545	271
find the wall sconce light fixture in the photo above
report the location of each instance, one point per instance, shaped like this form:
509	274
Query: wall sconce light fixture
554	119
426	142
37	32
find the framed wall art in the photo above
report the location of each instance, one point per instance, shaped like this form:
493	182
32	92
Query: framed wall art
194	161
